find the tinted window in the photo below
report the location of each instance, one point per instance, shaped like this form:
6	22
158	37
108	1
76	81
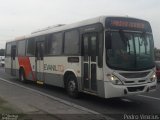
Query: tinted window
40	48
71	45
85	49
8	49
31	47
93	44
100	50
93	47
40	38
21	48
55	44
13	52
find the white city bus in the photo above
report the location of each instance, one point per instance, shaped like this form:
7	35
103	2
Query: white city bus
104	56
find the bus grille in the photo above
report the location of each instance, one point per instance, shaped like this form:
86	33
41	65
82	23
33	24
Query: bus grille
135	89
134	75
134	82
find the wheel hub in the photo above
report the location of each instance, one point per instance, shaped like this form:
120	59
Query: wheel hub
72	85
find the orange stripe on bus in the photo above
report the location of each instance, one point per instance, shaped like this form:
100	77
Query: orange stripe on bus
25	63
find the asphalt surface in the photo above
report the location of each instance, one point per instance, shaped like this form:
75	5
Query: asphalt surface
148	103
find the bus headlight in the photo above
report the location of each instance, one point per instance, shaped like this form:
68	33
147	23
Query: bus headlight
114	80
153	77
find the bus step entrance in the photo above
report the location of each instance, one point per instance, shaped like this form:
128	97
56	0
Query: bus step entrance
40	82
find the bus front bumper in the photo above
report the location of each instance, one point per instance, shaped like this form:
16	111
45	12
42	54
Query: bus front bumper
125	90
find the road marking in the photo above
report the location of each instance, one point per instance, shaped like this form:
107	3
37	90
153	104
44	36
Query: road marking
57	99
149	97
126	100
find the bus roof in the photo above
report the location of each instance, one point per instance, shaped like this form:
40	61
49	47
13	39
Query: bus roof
60	27
68	26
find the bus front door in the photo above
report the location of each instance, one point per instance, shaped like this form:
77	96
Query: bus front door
89	47
40	62
13	60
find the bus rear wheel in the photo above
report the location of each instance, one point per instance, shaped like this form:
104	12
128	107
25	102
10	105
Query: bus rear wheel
72	86
22	77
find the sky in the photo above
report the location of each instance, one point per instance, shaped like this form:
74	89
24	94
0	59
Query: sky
21	17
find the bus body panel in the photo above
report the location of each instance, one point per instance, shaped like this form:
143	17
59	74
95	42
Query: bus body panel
56	67
119	91
8	64
91	73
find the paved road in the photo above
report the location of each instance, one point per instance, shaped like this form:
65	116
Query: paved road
147	103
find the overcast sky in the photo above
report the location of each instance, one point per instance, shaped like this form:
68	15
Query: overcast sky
21	17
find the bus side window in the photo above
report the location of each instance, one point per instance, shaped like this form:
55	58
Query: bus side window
41	51
72	44
108	42
37	54
31	47
108	45
8	49
100	49
21	47
13	52
93	51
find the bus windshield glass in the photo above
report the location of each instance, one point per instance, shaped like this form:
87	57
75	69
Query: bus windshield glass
129	50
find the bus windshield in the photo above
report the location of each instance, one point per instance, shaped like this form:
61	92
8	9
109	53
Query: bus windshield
129	50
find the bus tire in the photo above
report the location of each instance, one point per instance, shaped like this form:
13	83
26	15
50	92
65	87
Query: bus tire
22	77
72	86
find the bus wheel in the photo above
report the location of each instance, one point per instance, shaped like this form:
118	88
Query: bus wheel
72	86
22	77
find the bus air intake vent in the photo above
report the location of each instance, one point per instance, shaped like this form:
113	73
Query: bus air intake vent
134	75
129	82
135	89
142	81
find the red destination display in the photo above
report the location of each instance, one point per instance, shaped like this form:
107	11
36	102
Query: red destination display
127	24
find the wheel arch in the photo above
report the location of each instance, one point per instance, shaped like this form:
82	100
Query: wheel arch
66	74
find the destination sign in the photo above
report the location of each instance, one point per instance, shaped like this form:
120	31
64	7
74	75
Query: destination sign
127	24
121	23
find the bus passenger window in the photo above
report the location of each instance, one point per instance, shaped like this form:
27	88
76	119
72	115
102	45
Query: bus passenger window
31	47
41	51
93	48
108	41
71	44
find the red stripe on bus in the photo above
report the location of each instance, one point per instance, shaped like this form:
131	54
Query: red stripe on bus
25	63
